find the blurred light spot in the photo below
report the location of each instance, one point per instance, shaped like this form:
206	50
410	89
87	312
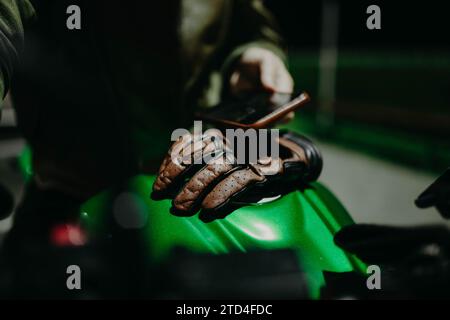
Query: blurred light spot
63	235
130	211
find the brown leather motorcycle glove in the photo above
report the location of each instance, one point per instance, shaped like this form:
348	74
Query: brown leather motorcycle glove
219	186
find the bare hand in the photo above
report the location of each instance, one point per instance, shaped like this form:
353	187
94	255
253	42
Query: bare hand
260	70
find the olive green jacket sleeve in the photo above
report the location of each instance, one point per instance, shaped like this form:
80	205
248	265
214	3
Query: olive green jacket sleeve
13	15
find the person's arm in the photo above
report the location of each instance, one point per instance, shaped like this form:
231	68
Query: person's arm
255	58
13	14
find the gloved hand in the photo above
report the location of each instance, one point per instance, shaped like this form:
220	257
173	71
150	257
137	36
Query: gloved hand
219	187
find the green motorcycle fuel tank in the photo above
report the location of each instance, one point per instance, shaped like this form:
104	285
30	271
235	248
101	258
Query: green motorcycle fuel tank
304	221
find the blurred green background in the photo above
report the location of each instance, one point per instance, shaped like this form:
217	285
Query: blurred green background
391	104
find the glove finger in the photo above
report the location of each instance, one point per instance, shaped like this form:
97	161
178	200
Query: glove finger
236	183
183	159
192	193
172	166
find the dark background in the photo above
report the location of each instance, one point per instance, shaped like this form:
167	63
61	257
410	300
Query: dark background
405	24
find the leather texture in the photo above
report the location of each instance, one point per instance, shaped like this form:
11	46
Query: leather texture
219	184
